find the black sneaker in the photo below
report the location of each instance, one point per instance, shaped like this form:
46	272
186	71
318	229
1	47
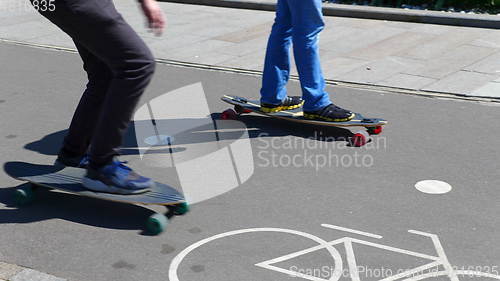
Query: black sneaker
330	113
63	159
287	104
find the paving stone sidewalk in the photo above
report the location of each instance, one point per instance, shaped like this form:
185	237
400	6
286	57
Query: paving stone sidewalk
424	57
10	272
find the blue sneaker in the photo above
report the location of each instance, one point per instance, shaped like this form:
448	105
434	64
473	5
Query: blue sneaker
116	178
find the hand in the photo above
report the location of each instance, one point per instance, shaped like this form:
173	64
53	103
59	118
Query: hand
154	15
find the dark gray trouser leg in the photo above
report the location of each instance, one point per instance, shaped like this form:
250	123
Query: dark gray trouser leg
87	113
107	105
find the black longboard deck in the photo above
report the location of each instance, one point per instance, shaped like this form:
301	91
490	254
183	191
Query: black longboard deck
297	114
69	180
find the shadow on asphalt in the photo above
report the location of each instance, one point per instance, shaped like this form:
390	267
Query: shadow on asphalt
50	204
273	127
51	143
48	145
256	126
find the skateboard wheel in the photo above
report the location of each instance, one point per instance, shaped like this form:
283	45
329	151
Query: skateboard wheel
359	139
228	114
24	196
181	209
156	224
374	130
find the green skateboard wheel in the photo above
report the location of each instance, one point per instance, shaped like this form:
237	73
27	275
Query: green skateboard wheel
181	209
156	224
24	196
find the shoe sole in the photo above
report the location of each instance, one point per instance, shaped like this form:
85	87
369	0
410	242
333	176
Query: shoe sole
280	108
99	186
310	116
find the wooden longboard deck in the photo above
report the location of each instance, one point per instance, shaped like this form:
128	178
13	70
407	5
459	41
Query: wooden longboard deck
69	180
296	115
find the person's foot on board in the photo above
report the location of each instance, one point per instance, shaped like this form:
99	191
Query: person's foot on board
330	113
287	104
66	160
116	178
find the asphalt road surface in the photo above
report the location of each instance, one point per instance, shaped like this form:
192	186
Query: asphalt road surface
271	199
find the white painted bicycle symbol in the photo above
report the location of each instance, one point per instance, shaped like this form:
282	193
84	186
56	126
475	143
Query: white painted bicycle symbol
439	260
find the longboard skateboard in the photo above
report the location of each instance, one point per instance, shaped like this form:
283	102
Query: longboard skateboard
242	105
69	180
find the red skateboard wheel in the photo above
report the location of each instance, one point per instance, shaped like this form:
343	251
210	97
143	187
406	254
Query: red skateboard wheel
228	114
374	130
359	139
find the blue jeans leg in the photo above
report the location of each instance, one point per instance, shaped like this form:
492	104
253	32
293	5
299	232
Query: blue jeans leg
307	22
277	62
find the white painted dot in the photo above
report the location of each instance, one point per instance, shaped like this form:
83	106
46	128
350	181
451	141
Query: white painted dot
159	140
433	187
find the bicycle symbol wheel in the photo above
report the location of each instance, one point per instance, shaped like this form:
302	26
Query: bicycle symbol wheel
337	259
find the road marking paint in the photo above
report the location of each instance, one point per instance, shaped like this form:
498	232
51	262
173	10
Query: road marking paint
441	254
351	230
158	140
174	265
394	249
269	263
409	275
351	261
433	187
